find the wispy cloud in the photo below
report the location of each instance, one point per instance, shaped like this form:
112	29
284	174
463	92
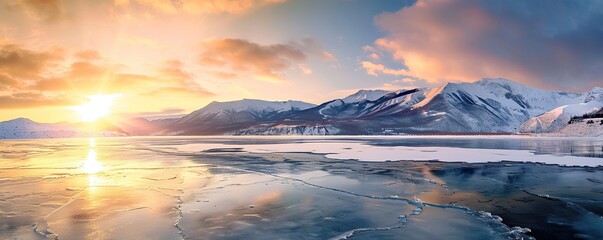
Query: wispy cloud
134	40
376	69
329	56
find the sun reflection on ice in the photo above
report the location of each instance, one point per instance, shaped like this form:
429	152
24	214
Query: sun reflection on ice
91	180
91	165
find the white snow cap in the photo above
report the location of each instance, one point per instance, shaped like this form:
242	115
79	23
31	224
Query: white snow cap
362	95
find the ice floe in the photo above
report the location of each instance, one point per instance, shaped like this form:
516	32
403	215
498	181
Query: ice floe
364	152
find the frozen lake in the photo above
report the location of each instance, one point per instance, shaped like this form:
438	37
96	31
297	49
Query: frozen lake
302	188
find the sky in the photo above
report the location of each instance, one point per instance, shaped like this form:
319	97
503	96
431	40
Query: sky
163	57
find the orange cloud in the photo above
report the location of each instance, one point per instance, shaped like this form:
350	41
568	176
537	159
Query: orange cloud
140	41
7	83
177	80
374	56
305	69
17	62
33	100
41	10
266	62
194	7
405	80
23	71
329	56
224	75
87	55
375	69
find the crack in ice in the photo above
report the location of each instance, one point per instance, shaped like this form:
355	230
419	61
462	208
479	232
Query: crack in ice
178	208
492	220
42	226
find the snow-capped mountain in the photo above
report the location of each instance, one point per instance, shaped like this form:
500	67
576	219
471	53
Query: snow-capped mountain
23	128
362	95
220	117
253	106
594	95
559	117
579	129
339	109
488	105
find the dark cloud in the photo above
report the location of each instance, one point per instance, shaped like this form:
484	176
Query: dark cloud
554	44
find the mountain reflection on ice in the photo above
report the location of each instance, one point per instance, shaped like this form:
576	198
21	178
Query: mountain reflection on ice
150	188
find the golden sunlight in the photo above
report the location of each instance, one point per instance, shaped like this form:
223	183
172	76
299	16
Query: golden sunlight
98	106
92	165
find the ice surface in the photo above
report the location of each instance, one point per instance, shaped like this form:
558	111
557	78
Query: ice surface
168	188
364	152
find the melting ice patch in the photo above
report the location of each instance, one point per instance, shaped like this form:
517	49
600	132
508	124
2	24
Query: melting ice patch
363	152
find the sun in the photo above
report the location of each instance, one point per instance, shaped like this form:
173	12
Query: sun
98	106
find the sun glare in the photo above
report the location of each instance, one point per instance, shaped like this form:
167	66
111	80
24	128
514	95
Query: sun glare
91	165
98	106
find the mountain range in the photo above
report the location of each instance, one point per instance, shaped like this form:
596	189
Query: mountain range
23	128
486	106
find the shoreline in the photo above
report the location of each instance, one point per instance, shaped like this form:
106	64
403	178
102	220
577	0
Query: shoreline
451	135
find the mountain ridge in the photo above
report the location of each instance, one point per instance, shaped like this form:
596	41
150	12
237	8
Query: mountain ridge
490	105
25	128
453	107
